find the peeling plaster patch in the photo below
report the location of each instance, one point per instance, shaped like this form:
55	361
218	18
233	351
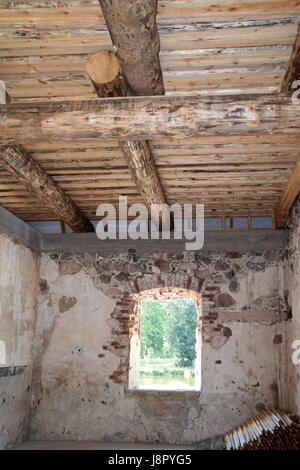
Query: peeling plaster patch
218	341
66	303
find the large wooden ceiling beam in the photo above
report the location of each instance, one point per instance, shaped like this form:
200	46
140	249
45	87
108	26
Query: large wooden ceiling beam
37	181
288	197
293	71
26	170
148	118
104	71
133	31
293	186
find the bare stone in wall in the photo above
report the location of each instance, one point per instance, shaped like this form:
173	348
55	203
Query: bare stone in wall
105	279
225	300
200	259
133	256
233	254
121	276
256	266
217	278
162	265
69	268
221	265
230	274
202	274
234	286
227	332
66	303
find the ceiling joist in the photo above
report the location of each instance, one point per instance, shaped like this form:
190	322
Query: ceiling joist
293	186
288	197
143	118
133	31
105	73
293	70
38	182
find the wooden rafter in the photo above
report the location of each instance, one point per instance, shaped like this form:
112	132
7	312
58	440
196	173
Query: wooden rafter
133	31
104	71
293	186
38	182
143	118
28	172
288	197
293	71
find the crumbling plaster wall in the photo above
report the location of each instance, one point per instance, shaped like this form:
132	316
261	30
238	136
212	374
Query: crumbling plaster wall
18	288
292	293
84	315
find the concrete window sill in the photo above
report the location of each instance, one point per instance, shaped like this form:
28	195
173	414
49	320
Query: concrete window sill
162	393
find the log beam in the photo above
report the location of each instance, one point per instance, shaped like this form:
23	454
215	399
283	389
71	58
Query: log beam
293	186
38	182
105	74
288	197
133	31
148	118
293	71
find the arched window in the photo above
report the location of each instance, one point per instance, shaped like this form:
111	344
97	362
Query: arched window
165	344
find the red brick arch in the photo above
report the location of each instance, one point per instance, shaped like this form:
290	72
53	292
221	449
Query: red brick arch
127	312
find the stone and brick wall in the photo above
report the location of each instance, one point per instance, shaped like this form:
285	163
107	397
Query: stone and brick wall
87	312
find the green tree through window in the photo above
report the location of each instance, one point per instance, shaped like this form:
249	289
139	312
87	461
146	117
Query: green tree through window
168	339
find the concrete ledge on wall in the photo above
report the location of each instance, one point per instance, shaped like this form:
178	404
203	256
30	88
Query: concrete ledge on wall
214	240
241	241
17	228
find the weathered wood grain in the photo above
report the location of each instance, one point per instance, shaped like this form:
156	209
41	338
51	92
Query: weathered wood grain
38	182
288	196
144	118
104	71
293	71
133	30
235	47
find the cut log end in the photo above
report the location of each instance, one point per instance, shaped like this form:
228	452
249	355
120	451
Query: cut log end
103	67
105	74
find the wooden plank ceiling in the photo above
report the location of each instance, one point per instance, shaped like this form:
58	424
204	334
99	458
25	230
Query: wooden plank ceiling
207	47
